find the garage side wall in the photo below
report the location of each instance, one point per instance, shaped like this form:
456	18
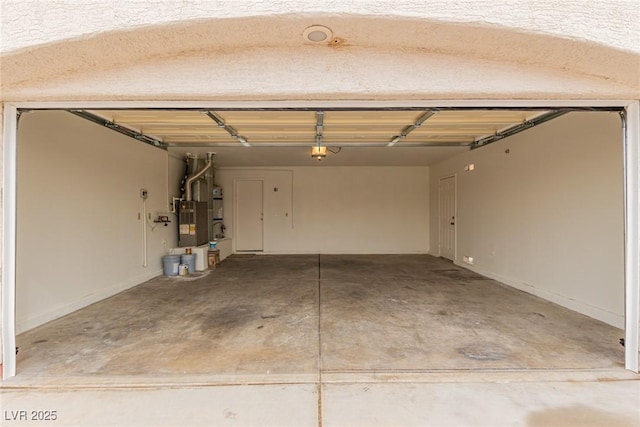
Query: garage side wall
339	209
79	233
176	169
546	216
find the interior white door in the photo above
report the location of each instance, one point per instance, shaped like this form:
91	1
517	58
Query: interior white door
448	217
249	215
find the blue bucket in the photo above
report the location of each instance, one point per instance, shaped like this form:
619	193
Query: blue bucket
189	260
170	265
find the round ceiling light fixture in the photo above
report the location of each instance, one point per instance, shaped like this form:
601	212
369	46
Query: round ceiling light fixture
317	34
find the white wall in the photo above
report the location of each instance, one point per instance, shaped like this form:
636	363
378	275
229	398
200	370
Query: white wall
176	169
339	209
79	236
546	218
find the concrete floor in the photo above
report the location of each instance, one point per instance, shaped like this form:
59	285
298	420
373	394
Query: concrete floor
331	340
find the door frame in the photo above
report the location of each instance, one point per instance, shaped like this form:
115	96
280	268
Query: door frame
631	195
631	162
9	221
235	211
455	225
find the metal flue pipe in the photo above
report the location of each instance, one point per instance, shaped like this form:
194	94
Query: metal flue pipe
192	178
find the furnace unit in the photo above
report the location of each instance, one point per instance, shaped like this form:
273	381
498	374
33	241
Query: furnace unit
194	230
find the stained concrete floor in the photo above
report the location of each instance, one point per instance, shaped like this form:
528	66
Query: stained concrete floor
341	338
289	315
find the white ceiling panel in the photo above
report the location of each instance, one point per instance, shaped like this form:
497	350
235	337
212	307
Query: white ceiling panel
283	137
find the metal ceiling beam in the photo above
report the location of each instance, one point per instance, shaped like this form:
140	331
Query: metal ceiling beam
528	124
230	129
196	144
319	127
139	136
488	106
423	118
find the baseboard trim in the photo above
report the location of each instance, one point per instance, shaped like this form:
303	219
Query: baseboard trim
563	300
337	253
60	311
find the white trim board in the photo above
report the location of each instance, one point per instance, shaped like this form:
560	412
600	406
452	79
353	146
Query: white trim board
426	103
338	252
612	319
9	210
631	138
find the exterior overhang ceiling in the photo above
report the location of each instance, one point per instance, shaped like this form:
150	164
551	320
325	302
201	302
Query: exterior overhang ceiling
369	57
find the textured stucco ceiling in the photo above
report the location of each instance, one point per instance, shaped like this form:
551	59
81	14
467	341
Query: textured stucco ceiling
613	23
379	53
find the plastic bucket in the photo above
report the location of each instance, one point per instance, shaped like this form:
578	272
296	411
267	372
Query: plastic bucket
189	260
170	264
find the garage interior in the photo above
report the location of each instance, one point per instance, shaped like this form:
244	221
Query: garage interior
353	271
